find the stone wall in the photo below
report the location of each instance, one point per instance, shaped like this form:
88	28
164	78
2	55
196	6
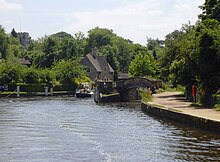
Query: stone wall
197	122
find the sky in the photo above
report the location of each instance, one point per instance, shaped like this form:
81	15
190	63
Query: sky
131	19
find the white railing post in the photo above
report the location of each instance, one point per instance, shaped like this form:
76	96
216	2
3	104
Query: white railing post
18	91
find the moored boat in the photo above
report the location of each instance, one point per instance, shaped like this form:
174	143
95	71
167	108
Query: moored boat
83	93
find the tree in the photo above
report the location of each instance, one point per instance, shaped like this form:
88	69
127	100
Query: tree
211	10
81	44
14	33
11	72
169	55
142	65
156	46
125	52
208	37
51	50
3	44
111	55
99	37
67	70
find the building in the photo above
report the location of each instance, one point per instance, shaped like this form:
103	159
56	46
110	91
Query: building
24	61
23	38
97	67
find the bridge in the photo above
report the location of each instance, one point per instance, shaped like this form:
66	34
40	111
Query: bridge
128	88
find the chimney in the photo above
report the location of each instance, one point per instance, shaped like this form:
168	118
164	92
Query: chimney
94	54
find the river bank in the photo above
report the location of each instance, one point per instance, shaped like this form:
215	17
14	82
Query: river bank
172	105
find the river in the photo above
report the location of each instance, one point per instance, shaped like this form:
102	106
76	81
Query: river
66	129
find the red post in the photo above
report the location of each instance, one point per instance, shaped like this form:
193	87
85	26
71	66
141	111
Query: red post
194	92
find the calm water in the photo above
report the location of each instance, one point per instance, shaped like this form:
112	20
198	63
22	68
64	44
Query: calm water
69	129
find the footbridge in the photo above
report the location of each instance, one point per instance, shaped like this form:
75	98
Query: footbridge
128	88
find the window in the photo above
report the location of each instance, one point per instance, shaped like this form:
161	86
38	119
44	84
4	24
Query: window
87	69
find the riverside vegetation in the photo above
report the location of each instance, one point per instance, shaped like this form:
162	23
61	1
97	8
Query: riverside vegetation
188	56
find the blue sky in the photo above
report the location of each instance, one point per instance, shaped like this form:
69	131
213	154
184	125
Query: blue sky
131	19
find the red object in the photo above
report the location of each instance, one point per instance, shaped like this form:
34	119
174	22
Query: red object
193	90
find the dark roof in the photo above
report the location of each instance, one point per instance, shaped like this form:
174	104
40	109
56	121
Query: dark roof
122	75
99	62
24	61
94	61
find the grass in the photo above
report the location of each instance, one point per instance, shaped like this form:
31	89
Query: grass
217	107
145	98
9	93
197	105
170	88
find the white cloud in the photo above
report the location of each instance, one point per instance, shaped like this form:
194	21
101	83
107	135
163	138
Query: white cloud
8	6
138	20
7	22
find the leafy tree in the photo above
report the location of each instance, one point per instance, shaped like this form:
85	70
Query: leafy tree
142	65
156	46
99	37
81	44
11	72
208	36
15	49
47	76
51	50
32	75
3	43
125	52
111	55
14	33
211	10
103	38
170	53
67	70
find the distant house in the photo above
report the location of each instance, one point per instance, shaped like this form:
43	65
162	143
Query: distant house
24	61
97	67
23	38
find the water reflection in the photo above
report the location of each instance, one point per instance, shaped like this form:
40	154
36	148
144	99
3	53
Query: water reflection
70	129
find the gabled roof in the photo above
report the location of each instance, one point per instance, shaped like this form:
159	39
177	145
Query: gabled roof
94	62
110	68
98	62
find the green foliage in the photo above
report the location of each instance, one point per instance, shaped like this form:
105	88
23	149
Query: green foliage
192	57
99	37
144	96
67	70
81	44
111	55
208	34
142	65
156	46
211	10
32	75
3	43
11	72
119	51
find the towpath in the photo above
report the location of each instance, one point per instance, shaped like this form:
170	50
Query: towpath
177	101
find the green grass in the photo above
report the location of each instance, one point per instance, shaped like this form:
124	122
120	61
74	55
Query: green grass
144	97
170	88
217	107
9	93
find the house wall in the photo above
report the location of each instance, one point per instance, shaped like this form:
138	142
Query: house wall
93	72
106	75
